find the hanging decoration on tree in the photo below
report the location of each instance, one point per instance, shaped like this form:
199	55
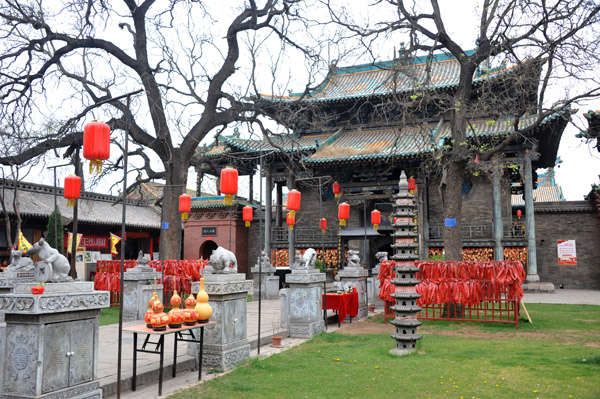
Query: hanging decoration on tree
185	205
375	219
229	184
293	202
96	144
519	214
323	225
72	190
247	215
291	221
337	190
343	213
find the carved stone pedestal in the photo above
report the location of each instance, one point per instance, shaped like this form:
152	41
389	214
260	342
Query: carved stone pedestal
225	342
138	286
50	350
301	303
269	285
8	280
356	277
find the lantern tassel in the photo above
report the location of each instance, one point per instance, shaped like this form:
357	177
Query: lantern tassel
342	222
95	166
184	216
293	214
376	227
323	231
291	227
71	202
338	195
247	223
412	192
228	199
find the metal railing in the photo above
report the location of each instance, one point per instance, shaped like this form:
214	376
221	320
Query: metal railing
481	231
279	235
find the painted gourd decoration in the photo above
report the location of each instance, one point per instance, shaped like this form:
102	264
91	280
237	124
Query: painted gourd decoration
159	319
203	309
149	313
190	311
176	317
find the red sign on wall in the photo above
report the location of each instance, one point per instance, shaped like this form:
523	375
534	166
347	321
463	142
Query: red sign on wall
91	241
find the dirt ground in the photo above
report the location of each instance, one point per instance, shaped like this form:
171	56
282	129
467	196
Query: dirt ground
366	326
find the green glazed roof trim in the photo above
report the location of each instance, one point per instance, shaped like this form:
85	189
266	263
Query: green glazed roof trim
217	202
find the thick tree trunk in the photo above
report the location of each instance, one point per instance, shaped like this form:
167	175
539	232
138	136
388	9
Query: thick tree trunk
452	210
171	237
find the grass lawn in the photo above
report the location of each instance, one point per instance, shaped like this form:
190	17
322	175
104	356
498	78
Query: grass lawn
558	356
109	316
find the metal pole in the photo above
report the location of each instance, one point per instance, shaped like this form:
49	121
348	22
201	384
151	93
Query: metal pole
365	225
323	256
55	216
260	225
75	215
123	218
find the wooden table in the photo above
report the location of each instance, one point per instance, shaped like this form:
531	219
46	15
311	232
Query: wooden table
183	333
343	304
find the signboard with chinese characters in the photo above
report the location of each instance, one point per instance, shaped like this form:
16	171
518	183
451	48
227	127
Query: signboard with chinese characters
567	253
209	231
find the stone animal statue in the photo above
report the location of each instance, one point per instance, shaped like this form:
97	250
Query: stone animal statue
223	261
19	263
381	256
299	262
53	266
309	258
353	259
264	259
142	260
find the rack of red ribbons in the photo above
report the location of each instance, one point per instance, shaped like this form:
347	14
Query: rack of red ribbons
469	282
177	275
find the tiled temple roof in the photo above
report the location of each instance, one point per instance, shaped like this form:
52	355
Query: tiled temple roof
547	190
37	200
389	77
378	142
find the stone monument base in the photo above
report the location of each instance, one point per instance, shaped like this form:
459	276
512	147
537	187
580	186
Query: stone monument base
301	303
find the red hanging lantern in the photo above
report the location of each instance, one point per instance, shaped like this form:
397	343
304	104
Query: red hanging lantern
247	214
412	185
375	219
291	221
323	225
72	189
96	144
229	184
337	190
293	202
343	213
185	205
519	213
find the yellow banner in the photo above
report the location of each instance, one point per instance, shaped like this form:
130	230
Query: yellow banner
70	241
114	240
24	245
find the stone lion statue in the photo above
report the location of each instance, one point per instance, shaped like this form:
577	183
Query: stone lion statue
309	258
353	259
19	263
53	266
223	261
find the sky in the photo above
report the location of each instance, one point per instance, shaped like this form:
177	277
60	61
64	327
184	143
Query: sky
580	162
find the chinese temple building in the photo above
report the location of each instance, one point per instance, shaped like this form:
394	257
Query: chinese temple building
340	134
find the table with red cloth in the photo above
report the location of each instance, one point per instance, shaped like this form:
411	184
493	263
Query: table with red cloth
344	304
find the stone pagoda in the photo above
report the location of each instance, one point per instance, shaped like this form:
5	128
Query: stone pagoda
405	253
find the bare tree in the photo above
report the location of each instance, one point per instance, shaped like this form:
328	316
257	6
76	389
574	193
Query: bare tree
545	41
176	51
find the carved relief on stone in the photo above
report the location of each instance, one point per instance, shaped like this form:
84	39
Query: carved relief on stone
21	361
233	358
70	302
16	303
